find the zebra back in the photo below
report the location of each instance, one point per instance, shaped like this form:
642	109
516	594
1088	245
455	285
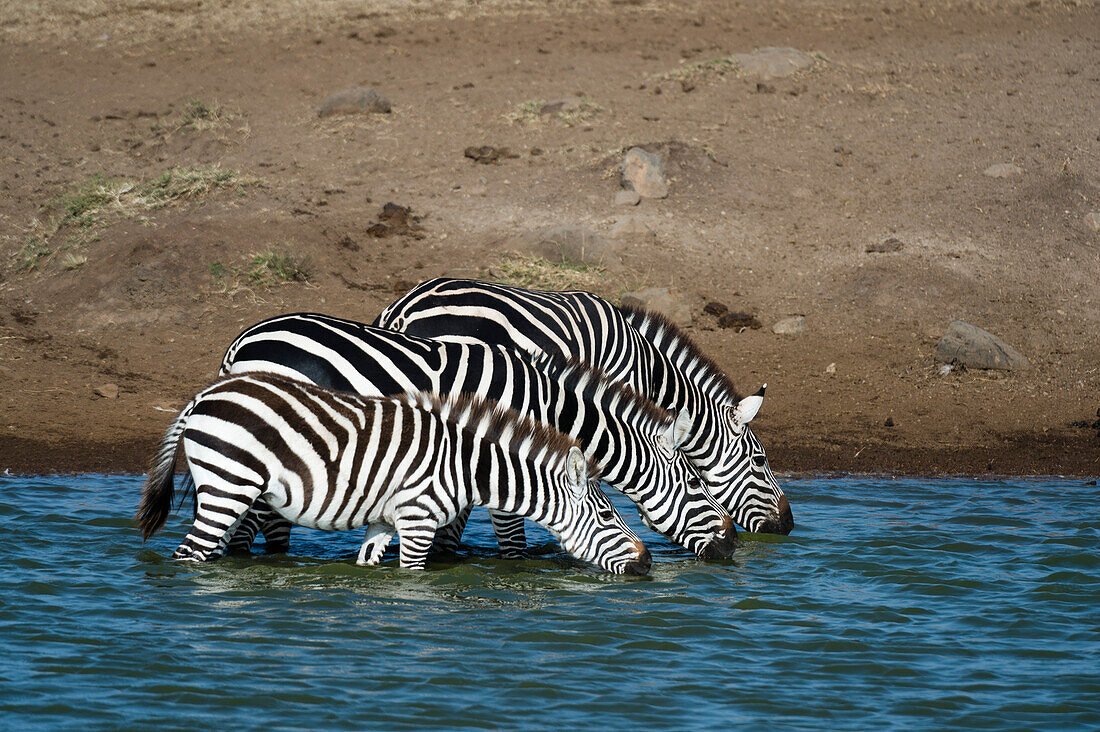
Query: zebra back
722	446
632	439
334	460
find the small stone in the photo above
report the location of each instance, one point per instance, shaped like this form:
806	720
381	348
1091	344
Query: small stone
973	347
557	106
790	326
1002	170
741	321
487	154
831	368
686	85
772	62
670	302
357	100
631	226
889	422
574	245
644	172
716	309
885	247
1092	220
107	391
627	198
762	88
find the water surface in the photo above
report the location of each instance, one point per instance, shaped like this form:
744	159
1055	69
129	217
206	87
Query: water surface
905	604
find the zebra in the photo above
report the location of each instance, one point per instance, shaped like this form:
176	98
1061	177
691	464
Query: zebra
405	465
635	443
639	348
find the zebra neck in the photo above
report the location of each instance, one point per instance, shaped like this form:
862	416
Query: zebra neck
679	365
509	480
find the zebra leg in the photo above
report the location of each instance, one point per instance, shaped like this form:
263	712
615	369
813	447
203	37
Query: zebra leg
241	541
275	528
415	534
374	543
510	536
448	537
219	509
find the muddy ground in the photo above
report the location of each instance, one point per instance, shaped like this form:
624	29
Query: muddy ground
120	287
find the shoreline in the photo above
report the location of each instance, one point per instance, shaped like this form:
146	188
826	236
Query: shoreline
1073	458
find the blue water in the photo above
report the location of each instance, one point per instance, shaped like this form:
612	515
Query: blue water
903	604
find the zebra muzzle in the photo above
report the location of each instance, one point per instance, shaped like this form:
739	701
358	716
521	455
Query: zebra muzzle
640	565
781	522
723	545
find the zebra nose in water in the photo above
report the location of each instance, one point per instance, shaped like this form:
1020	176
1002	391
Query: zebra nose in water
722	546
640	565
782	521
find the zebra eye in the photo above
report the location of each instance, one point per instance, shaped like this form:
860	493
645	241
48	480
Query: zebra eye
606	514
759	461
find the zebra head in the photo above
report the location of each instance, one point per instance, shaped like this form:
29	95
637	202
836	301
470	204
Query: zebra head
592	529
736	468
671	498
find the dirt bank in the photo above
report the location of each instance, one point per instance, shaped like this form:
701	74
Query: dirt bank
165	180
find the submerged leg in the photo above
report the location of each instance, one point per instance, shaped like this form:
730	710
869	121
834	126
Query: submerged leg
448	537
415	534
262	518
241	541
377	538
510	535
220	507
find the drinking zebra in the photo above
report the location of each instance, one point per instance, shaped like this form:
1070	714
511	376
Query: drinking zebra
642	349
634	443
333	460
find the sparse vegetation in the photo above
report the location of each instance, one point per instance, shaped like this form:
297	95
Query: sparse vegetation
198	116
720	66
538	272
275	267
582	113
33	250
100	196
531	112
527	112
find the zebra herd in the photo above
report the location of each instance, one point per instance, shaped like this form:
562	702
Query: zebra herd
465	393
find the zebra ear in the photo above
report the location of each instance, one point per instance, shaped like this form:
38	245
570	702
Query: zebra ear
576	471
747	408
679	429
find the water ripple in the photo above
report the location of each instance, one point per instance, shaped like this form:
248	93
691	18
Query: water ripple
895	603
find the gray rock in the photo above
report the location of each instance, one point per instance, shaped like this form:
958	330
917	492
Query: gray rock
627	198
557	106
885	247
574	245
629	227
670	302
357	100
773	62
107	391
975	348
1092	220
645	173
1002	170
790	326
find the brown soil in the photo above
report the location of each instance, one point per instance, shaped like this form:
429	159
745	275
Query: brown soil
777	192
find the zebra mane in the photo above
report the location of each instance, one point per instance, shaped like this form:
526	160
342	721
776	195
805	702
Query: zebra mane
682	352
593	385
500	424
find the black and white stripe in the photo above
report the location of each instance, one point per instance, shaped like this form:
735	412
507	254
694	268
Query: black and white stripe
638	348
407	465
634	443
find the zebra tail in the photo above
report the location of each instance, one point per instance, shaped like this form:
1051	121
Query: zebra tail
156	497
